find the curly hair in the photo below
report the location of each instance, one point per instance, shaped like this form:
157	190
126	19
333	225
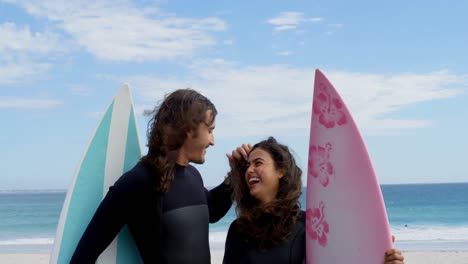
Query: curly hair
179	113
269	224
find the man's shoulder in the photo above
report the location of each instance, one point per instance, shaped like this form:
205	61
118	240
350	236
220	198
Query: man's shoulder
234	225
139	176
192	169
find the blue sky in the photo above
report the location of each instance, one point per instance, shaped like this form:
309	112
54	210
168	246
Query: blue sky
400	67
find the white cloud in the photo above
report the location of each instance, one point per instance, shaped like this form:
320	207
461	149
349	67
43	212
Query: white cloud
287	18
17	72
256	100
12	102
315	19
285	53
21	50
24	53
121	31
285	27
81	90
291	20
372	98
18	39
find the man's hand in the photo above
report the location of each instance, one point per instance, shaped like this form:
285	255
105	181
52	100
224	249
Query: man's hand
239	153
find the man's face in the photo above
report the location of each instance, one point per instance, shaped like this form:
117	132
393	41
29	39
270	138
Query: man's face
194	148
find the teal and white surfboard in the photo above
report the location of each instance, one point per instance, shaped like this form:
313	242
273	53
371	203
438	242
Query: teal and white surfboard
113	149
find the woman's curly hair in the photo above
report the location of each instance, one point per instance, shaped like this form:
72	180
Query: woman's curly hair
179	113
269	224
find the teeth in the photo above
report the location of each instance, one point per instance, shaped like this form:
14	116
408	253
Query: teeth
254	180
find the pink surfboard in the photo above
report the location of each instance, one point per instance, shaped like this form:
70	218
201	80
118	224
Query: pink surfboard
346	217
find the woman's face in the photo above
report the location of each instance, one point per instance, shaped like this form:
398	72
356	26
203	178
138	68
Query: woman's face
261	176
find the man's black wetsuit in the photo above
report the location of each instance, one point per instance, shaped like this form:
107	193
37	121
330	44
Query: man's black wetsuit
167	228
292	251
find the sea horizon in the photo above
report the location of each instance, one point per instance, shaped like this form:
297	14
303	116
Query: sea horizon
428	216
46	190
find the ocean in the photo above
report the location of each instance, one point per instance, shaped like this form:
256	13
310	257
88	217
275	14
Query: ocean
422	217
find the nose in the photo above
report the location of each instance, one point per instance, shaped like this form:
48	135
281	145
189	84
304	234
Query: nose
249	170
212	140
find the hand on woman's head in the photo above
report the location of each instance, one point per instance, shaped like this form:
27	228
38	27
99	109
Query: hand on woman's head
240	153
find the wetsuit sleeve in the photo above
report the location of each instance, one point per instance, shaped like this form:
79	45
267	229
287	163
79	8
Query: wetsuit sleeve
233	253
219	201
106	223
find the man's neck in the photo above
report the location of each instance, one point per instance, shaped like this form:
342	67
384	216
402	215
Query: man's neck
182	160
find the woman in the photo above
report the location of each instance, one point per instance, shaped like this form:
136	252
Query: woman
270	227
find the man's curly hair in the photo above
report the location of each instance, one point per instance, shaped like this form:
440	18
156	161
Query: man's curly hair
180	112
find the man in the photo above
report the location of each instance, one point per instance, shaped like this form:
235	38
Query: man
162	199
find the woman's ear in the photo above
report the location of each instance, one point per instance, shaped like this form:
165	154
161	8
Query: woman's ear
281	173
189	134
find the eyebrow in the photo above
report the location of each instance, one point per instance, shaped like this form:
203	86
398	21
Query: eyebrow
210	125
254	160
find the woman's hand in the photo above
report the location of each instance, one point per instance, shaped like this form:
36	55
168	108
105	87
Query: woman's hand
393	256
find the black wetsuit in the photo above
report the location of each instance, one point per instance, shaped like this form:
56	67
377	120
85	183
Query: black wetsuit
292	251
167	228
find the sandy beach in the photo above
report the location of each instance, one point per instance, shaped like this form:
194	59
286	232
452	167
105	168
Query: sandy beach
412	257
